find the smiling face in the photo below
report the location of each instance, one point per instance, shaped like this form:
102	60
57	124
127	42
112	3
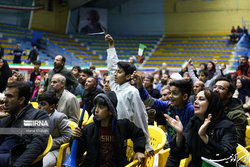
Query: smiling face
238	84
200	105
177	98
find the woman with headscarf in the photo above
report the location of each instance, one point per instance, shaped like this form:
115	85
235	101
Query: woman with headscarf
210	69
5	73
36	88
208	134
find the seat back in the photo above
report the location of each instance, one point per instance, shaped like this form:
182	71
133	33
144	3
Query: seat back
49	145
248	120
247	138
243	155
85	117
157	140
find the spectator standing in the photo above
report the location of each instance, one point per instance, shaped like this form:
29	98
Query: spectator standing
129	104
163	70
33	55
36	72
18	53
71	81
5	73
243	70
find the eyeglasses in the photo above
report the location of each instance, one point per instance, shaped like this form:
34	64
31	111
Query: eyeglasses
219	87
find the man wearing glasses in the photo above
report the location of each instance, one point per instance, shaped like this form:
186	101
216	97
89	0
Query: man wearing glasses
232	107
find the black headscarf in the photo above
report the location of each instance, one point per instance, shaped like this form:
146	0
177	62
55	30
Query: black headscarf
212	71
5	73
243	91
191	132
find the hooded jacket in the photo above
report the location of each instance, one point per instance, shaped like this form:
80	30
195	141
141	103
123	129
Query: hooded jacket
122	129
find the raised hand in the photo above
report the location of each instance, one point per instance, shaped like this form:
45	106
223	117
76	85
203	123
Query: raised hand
175	123
137	79
215	61
110	41
203	129
190	61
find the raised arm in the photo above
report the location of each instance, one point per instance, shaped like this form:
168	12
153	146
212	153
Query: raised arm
112	60
191	72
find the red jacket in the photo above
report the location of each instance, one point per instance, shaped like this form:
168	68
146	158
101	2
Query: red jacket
239	71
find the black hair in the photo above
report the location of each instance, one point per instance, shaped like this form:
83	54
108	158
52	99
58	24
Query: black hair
77	67
128	68
95	80
105	74
49	96
151	78
37	62
92	67
23	90
204	72
184	86
63	59
245	57
100	101
231	87
87	71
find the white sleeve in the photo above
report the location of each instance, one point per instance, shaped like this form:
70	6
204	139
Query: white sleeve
112	61
192	75
141	117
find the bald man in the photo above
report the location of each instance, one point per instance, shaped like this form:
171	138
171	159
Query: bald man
198	86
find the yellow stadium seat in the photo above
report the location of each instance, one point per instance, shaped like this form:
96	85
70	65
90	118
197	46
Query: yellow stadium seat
64	146
157	140
34	104
49	145
85	117
247	138
248	120
243	155
163	156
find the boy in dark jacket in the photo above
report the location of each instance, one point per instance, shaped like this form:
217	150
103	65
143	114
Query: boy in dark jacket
105	139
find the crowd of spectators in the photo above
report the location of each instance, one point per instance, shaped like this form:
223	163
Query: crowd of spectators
198	109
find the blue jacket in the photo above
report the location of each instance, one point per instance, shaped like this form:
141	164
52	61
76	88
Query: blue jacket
185	113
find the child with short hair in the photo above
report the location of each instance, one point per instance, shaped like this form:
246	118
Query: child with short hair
105	139
129	104
60	129
178	105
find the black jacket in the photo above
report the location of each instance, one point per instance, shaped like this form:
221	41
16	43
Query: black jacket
222	143
124	129
89	97
31	144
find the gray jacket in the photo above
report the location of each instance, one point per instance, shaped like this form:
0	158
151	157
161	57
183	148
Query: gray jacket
60	129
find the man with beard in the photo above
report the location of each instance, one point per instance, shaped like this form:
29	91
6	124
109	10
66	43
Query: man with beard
83	75
233	107
71	81
243	70
164	81
18	147
67	103
91	91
